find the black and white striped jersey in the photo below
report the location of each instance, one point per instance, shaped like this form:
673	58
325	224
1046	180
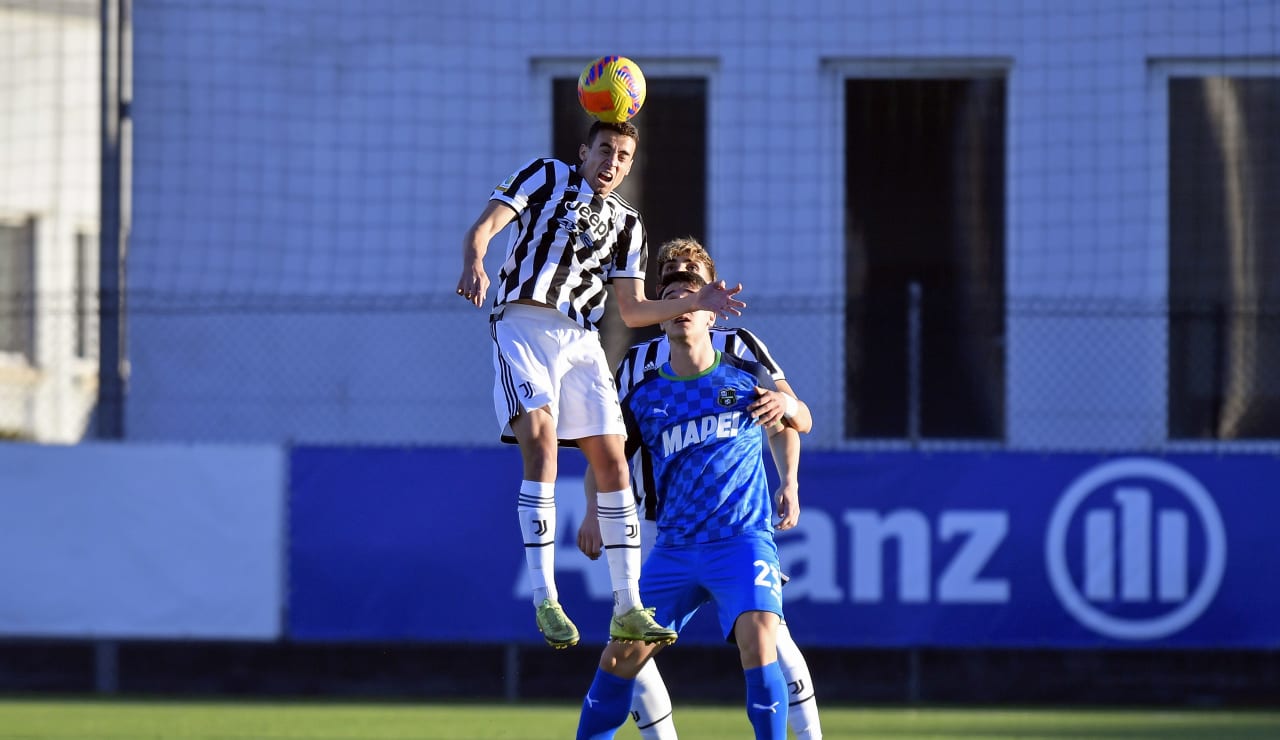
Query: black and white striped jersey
568	242
647	357
654	353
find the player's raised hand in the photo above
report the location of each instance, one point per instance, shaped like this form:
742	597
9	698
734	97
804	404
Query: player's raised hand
473	285
721	299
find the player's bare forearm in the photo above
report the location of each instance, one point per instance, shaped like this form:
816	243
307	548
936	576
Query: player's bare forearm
802	420
784	444
784	447
589	539
473	285
787	500
637	311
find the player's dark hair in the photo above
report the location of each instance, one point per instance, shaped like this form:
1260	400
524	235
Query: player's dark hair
624	128
684	277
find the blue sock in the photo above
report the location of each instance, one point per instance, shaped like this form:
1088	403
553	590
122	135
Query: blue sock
608	702
767	701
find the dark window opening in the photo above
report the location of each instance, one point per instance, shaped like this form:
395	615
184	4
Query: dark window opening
668	181
925	194
17	289
1224	258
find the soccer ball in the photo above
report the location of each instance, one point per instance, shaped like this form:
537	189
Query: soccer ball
612	89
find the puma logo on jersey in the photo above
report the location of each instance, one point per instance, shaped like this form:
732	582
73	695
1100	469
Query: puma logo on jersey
696	431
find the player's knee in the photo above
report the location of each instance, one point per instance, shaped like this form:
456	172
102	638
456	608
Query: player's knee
755	634
610	470
616	480
539	447
755	655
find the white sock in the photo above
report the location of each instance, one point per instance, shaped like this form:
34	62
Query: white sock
802	709
620	533
651	705
537	510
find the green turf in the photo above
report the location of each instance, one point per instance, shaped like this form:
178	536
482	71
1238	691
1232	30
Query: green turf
91	719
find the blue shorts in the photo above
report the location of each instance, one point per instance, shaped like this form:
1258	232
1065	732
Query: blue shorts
739	574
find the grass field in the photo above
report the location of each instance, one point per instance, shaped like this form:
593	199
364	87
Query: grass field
92	719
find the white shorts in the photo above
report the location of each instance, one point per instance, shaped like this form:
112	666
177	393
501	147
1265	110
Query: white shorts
542	358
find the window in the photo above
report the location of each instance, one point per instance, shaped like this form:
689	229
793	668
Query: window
669	180
925	258
86	297
1224	257
17	289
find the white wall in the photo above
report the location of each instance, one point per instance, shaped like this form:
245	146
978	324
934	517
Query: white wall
142	540
324	152
49	121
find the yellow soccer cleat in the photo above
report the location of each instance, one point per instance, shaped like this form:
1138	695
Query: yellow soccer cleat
638	625
555	626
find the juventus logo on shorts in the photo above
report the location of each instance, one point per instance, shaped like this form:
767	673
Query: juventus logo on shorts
728	397
527	388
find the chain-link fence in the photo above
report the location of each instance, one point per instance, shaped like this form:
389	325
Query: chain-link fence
1018	227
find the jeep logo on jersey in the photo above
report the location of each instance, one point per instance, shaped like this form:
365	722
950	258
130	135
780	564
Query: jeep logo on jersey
1135	549
728	397
589	221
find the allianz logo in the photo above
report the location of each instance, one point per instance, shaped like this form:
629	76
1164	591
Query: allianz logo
1111	541
1133	549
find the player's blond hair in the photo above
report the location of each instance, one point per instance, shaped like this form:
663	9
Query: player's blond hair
686	247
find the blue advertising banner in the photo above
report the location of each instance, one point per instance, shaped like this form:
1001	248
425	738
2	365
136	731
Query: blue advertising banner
893	549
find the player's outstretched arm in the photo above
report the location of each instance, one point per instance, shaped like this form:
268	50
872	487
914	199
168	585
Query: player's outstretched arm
720	298
784	444
474	283
637	311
